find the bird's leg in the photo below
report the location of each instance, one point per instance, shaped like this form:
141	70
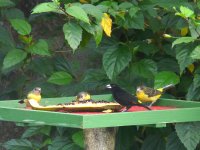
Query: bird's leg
151	103
126	109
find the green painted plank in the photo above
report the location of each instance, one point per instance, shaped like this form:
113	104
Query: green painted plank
187	111
142	118
178	103
41	117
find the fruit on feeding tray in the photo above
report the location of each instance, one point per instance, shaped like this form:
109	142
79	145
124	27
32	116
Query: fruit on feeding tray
92	106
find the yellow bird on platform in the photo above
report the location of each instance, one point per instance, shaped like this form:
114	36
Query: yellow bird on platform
83	97
35	94
147	94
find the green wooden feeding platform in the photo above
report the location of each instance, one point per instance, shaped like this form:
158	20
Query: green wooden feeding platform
185	111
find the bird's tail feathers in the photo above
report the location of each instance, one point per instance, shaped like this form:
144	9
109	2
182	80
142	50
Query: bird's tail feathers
138	104
168	87
21	101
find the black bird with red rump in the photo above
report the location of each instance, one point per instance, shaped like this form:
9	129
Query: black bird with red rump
124	98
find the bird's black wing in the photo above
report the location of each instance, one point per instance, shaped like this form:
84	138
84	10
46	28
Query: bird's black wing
126	99
151	92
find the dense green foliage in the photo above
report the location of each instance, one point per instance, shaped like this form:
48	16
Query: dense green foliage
153	42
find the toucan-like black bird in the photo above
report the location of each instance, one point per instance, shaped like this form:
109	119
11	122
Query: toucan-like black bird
123	97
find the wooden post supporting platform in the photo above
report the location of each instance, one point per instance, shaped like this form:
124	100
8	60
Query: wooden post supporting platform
100	138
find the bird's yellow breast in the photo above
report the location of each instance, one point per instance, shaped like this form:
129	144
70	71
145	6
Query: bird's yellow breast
145	98
34	96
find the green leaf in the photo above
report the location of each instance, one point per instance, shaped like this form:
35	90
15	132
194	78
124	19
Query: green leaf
42	66
21	26
13	57
195	53
40	48
73	34
164	78
154	142
133	10
146	68
60	78
183	56
98	34
58	143
6	3
37	130
166	64
5	37
185	12
78	138
18	144
13	13
47	7
115	60
183	40
135	22
78	13
194	29
92	10
87	27
193	93
189	134
174	143
196	81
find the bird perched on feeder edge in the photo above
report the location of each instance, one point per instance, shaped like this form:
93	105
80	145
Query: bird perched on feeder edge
147	94
124	98
35	94
83	97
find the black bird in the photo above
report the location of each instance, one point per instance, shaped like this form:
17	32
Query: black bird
123	97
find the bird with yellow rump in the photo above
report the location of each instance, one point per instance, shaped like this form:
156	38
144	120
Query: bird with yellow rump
147	94
35	94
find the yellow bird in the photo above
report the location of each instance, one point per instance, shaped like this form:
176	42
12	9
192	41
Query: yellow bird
35	94
83	97
147	94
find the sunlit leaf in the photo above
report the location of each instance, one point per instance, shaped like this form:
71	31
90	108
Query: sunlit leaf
47	7
165	78
73	34
183	40
21	26
93	11
78	13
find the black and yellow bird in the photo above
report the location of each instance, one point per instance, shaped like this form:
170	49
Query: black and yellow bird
35	94
124	98
147	94
83	97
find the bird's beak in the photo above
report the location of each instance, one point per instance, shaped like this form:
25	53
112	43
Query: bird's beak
108	86
138	89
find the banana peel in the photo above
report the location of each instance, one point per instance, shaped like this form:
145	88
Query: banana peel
78	107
